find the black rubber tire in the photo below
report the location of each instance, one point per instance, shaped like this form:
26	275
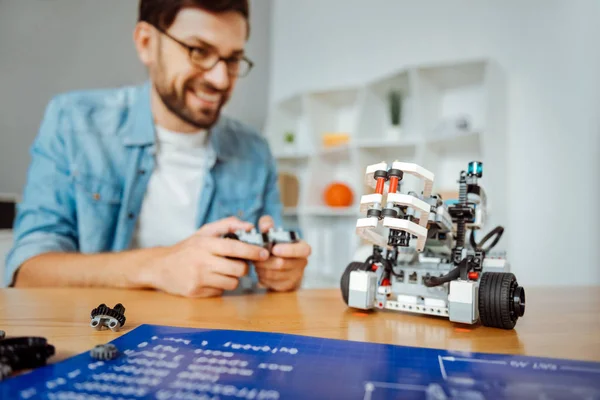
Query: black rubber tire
496	300
345	280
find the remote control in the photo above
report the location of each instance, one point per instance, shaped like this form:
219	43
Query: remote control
267	239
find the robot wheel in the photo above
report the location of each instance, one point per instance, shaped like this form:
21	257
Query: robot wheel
345	280
501	300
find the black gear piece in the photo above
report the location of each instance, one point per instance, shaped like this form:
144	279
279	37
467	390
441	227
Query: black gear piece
24	341
102	309
25	352
5	371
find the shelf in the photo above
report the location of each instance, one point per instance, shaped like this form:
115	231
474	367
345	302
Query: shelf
322	211
292	156
336	165
333	111
377	118
337	154
365	144
446	157
461	142
340	151
290	211
452	97
326	211
450	114
387	143
289	115
373	155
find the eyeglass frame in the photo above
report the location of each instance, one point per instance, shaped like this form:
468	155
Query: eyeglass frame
190	49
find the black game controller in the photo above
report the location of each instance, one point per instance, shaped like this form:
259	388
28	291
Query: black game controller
265	239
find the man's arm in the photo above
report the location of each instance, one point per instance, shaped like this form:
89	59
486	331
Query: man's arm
205	264
46	238
46	243
46	220
127	270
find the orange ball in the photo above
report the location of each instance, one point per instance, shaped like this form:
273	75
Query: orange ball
338	194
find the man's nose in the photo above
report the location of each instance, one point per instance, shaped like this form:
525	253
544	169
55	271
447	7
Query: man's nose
218	76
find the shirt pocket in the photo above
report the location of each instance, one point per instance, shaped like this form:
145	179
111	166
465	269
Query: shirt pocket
98	191
246	208
98	203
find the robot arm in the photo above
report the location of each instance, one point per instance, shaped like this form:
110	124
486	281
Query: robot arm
395	214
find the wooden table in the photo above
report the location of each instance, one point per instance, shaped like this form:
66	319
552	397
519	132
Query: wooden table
560	322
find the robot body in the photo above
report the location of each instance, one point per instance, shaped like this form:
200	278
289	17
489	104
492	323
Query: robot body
442	274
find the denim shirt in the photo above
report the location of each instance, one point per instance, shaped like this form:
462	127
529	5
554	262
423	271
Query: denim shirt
92	160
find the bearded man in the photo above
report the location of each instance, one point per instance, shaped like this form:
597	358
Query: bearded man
135	187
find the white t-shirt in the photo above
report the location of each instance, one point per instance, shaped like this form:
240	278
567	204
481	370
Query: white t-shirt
170	205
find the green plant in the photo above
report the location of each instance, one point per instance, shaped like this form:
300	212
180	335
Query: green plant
395	99
289	137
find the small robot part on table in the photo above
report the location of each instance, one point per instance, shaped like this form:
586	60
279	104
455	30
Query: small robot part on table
109	318
442	274
23	353
104	352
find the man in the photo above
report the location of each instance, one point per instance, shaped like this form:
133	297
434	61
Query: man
135	187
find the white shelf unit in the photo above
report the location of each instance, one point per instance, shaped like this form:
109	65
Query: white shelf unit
451	113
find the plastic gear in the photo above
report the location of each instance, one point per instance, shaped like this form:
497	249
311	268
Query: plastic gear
5	371
25	352
104	316
104	352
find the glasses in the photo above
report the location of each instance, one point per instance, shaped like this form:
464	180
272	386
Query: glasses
206	57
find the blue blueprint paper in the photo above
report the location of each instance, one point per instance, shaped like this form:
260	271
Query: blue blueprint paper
183	363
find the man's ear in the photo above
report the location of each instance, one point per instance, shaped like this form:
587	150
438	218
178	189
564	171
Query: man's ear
143	37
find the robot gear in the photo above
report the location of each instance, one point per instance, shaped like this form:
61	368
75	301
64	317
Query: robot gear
104	352
106	317
5	371
25	352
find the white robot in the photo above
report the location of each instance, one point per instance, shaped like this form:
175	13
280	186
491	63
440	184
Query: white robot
441	274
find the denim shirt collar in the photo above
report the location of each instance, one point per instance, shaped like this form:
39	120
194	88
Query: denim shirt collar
142	129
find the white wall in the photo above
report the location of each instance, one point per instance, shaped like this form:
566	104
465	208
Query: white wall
47	47
250	101
550	53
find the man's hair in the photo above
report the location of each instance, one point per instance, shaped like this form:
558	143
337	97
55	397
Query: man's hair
162	13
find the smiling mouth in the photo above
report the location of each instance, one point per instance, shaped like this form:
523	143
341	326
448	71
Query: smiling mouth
205	97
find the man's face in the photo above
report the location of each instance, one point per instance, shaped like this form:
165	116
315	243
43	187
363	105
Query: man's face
193	94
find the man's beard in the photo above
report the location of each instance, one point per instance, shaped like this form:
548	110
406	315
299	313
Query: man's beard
175	102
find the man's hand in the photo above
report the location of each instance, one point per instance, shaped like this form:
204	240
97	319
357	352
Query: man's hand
284	270
205	264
